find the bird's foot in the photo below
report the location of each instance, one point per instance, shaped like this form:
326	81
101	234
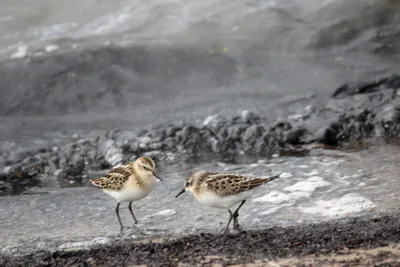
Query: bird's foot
237	228
121	231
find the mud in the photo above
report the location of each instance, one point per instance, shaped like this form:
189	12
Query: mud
275	244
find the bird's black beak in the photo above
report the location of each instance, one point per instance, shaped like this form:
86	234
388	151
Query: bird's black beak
157	177
180	193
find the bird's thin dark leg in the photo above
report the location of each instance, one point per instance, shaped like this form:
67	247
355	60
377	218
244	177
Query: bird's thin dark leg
133	215
229	222
235	216
119	219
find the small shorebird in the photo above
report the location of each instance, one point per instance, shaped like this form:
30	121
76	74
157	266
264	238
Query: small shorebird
220	190
129	182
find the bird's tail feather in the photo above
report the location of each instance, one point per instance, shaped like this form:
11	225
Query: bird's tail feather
269	179
96	182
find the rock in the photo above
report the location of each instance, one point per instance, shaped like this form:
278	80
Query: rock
169	144
111	152
349	128
234	132
134	146
124	138
390	82
58	173
19	177
247	116
252	139
114	156
214	122
171	130
53	163
144	142
155	155
253	132
71	172
298	136
388	122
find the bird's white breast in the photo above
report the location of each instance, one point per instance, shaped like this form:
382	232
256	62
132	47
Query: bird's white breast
211	199
131	192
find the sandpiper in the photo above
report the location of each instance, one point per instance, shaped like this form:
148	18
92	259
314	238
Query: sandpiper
129	182
221	190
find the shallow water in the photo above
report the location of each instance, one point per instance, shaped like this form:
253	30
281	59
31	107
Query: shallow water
320	186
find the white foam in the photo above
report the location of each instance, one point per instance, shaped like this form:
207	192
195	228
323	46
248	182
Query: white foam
329	163
51	48
303	166
274	196
286	175
21	52
82	244
312	173
274	209
277	197
295	117
349	203
270	210
165	213
308	185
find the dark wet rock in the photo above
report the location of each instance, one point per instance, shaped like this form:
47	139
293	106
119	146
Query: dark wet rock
124	138
388	122
17	178
171	130
253	133
298	137
234	132
349	128
73	173
386	83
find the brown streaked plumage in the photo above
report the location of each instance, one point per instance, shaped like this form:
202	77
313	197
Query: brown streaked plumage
129	182
228	184
116	178
223	190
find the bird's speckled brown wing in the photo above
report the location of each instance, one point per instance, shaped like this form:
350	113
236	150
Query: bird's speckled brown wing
115	179
231	184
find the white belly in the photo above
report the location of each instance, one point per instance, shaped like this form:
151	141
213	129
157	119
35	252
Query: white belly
213	200
130	193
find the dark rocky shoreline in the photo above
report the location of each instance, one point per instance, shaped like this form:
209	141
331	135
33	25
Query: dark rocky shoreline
339	236
356	113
